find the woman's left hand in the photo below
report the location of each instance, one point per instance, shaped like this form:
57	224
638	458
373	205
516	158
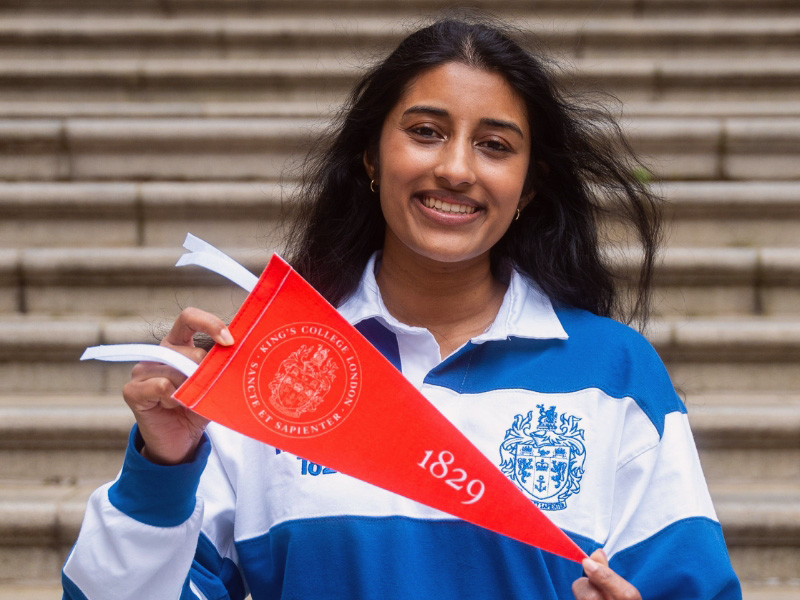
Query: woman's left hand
601	583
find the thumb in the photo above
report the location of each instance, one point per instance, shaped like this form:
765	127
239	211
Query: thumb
607	582
599	556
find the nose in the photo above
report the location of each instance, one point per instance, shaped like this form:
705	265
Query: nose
455	164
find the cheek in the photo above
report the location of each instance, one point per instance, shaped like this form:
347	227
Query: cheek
406	165
507	181
404	160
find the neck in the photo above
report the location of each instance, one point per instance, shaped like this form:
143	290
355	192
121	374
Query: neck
454	301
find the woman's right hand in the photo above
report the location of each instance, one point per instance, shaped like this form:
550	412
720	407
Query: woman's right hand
171	432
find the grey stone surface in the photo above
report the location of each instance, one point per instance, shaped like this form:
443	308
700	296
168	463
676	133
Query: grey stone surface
319	108
9	281
46	339
325	77
42	376
762	149
736	339
285	33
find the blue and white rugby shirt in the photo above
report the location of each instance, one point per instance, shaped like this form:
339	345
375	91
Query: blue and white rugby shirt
576	409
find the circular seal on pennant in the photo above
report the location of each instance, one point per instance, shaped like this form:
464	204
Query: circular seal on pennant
302	380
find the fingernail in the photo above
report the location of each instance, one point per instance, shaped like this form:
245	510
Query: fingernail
226	337
589	566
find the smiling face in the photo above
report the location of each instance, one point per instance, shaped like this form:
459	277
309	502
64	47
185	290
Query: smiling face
453	155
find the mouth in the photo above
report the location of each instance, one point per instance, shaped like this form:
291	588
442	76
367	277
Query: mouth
446	207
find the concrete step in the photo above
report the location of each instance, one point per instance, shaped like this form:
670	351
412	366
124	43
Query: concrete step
750	445
91	214
64	36
44	355
692	282
335	7
762	530
123	281
209	108
727	399
152	149
39	354
63	440
255	149
754	354
296	108
545	7
774	591
326	78
38	525
232	214
134	281
690	36
39	590
746	214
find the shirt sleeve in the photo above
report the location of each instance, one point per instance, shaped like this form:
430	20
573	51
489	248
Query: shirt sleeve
150	534
665	538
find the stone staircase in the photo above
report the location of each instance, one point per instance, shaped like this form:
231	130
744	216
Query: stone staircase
123	125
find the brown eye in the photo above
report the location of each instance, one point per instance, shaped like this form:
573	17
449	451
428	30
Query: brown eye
423	131
496	146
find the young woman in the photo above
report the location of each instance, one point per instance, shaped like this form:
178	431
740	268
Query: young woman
453	220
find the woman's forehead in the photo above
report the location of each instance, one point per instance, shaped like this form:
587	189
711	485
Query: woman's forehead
464	91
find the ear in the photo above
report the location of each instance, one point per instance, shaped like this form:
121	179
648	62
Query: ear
542	171
525	199
369	165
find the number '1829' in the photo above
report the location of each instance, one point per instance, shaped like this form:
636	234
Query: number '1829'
440	469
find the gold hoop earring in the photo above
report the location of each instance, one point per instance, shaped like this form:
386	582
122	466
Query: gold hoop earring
372	186
516	217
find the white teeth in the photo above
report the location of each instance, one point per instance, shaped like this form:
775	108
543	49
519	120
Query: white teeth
447	207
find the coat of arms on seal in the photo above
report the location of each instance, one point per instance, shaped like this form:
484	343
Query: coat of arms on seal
302	380
545	462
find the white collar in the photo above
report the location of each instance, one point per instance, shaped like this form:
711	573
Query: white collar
525	312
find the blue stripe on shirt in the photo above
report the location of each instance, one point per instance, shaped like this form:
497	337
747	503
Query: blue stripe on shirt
692	551
217	577
384	340
161	496
346	557
71	591
600	353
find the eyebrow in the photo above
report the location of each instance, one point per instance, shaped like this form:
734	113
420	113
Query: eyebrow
440	112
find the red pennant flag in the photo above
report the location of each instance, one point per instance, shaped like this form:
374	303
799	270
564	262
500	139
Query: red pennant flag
351	411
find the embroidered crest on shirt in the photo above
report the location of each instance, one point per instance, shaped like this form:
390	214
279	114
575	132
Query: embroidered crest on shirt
546	462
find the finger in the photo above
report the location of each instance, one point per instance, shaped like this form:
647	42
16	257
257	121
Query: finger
146	395
583	590
192	352
608	582
144	371
194	320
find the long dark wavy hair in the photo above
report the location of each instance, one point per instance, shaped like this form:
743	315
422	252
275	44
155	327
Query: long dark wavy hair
581	168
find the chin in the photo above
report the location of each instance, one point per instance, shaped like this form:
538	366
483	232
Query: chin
449	256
